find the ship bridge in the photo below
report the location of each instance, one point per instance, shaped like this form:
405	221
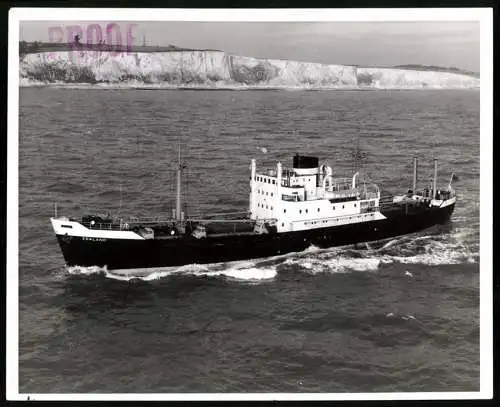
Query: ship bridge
307	195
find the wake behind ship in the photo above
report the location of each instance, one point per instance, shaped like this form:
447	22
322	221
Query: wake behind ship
290	209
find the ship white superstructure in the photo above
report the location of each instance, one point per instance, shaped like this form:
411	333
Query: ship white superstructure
308	196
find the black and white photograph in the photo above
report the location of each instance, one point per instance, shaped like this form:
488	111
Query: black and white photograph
249	204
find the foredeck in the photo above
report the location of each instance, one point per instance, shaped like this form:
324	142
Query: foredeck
127	223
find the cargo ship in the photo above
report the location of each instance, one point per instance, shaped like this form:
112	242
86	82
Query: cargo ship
289	210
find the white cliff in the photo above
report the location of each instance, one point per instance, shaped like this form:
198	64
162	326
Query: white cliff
214	69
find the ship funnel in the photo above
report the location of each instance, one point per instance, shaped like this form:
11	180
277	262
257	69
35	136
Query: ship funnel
434	184
415	163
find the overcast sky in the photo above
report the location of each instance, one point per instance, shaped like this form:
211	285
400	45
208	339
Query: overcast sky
379	43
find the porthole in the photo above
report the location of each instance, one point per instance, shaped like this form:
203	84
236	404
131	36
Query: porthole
318	209
282	224
284	210
342	206
300	210
307	210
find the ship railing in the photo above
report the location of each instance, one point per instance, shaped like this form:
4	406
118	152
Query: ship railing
386	201
189	219
102	226
357	193
344	194
291	198
128	226
127	223
368	195
215	220
285	182
424	193
444	194
133	221
342	182
341	218
144	220
124	224
370	209
221	214
343	185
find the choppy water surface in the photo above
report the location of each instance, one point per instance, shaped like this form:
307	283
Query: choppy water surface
397	315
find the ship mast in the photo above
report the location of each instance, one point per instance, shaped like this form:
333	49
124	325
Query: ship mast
178	200
358	156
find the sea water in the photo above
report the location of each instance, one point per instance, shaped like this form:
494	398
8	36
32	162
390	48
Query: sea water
396	315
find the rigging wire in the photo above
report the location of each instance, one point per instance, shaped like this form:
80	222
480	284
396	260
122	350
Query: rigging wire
172	190
120	207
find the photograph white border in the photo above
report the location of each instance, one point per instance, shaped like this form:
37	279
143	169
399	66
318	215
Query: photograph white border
483	15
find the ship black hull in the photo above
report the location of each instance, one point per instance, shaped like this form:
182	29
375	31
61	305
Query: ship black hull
132	254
